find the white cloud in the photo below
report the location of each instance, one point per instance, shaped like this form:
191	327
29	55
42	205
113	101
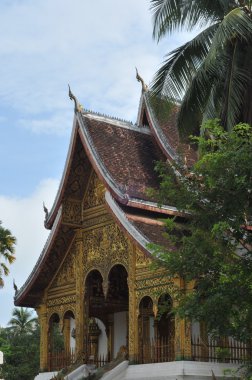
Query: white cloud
45	45
57	123
24	217
94	46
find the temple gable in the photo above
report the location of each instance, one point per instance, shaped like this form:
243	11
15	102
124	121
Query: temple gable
105	246
101	293
94	195
66	274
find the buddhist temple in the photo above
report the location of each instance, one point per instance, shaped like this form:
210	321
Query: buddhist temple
93	283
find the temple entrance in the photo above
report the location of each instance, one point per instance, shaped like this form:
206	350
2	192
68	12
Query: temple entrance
69	331
55	343
106	305
118	306
156	334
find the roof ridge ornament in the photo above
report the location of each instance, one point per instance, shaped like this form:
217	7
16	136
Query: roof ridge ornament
77	106
140	79
45	211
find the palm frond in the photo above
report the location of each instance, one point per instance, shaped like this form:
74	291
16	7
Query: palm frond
236	25
5	269
173	78
167	16
171	15
237	80
196	98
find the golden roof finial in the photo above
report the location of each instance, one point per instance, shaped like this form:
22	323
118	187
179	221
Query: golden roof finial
140	79
77	106
45	210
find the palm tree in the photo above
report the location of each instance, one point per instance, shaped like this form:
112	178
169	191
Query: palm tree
212	73
7	251
22	321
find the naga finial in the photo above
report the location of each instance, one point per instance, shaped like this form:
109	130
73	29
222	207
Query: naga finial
77	106
15	287
140	79
45	211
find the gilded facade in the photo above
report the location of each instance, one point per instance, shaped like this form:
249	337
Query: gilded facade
93	287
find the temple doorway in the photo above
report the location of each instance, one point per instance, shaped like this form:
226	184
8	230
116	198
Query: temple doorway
106	306
155	332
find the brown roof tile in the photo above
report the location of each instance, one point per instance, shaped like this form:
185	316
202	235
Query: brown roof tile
167	121
154	233
128	155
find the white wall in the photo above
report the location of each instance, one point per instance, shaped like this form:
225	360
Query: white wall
72	326
195	330
152	332
103	340
120	331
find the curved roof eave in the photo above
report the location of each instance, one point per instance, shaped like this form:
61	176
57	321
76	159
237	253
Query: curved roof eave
101	171
43	256
53	212
159	135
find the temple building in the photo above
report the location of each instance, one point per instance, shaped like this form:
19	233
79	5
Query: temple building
93	284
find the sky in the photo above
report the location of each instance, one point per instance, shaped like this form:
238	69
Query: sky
46	44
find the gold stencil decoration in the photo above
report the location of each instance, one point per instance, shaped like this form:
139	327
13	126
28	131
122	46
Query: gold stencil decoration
104	247
142	259
95	193
71	211
62	300
66	274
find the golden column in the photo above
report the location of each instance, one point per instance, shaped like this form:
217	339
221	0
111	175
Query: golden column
42	316
183	348
183	345
79	317
133	307
66	334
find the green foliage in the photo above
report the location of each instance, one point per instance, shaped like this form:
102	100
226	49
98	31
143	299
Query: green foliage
22	321
214	250
21	352
7	250
163	107
57	338
212	73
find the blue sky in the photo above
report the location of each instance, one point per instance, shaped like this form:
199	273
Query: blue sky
46	44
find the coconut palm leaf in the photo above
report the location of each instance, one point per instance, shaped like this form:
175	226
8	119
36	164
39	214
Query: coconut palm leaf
171	15
173	78
196	98
212	73
22	321
236	24
236	83
7	250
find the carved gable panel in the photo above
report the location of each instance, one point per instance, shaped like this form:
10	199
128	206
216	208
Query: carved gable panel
104	247
71	212
95	193
142	259
67	271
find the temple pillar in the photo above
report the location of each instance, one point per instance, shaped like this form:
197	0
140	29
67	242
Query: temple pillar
203	341
133	307
42	316
183	347
79	317
66	334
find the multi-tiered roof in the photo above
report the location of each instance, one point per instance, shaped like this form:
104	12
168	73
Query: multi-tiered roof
124	156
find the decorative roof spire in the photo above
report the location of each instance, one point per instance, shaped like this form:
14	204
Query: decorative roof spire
140	79
15	287
77	106
45	211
